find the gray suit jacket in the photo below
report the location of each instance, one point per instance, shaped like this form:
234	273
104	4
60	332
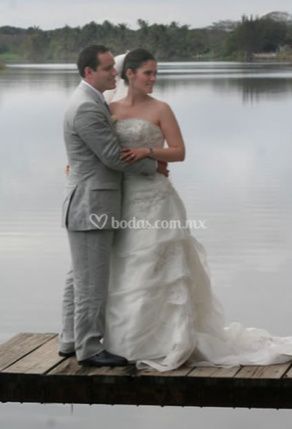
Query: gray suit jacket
93	150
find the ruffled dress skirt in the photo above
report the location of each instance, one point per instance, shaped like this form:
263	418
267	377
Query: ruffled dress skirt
161	310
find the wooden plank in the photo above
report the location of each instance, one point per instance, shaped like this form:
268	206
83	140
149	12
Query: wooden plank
39	361
288	373
180	372
67	367
107	388
71	367
269	371
171	391
120	371
209	371
19	346
90	384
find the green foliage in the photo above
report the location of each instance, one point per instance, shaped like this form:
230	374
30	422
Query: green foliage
172	42
254	35
167	42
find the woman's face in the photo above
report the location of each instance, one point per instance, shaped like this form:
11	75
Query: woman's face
144	77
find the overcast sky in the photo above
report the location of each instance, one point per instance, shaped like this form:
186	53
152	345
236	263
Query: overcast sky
48	14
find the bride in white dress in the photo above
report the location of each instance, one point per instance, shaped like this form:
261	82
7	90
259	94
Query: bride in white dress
161	311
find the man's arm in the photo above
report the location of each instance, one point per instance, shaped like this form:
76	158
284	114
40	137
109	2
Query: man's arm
93	128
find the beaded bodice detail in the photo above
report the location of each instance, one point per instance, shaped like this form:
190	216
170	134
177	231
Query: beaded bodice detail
136	132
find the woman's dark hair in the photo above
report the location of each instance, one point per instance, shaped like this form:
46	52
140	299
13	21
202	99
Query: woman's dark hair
135	59
88	57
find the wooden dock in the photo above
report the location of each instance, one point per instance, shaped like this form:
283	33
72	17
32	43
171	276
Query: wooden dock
32	371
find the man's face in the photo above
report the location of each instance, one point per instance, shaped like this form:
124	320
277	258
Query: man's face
104	77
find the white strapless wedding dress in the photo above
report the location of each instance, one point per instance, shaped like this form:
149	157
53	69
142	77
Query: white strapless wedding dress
161	311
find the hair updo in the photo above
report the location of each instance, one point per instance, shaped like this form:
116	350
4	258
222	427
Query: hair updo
134	60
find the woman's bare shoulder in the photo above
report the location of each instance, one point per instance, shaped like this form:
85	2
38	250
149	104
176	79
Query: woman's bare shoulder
115	106
160	105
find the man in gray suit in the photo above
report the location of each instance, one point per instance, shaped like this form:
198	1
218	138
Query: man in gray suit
94	188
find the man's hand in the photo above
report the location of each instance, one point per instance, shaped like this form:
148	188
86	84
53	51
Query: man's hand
162	168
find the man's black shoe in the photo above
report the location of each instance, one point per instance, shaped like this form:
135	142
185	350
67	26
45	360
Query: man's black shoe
67	355
104	358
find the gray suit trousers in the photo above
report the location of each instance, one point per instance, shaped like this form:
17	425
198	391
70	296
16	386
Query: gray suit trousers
85	292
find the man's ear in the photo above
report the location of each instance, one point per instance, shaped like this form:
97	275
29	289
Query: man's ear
87	71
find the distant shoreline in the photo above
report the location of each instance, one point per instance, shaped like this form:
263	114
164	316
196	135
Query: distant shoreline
252	38
257	58
277	57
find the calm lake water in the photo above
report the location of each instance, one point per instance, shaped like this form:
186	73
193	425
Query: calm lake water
236	121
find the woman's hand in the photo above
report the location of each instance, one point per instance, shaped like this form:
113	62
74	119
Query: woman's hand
131	155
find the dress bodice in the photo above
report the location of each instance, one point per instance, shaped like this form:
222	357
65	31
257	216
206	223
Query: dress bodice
137	132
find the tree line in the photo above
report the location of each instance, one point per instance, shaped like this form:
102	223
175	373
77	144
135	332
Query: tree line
172	42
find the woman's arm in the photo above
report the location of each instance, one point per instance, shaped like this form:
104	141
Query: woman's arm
171	131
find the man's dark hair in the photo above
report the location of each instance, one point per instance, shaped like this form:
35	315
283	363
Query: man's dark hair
88	57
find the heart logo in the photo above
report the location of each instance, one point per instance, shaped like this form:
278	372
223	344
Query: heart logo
98	221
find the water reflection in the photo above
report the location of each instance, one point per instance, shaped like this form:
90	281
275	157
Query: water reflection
256	89
251	90
252	80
